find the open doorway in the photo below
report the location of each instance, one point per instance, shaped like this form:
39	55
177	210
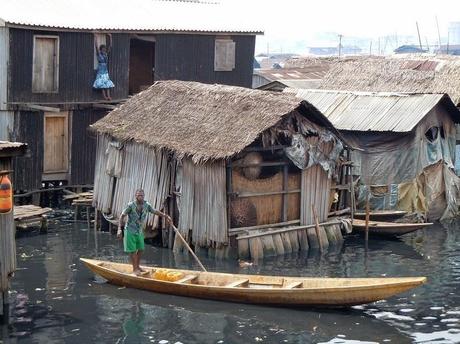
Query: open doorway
141	63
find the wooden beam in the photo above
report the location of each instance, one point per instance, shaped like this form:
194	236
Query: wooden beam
104	106
262	164
285	230
268	193
41	108
234	231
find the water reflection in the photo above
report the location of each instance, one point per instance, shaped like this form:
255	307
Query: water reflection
56	298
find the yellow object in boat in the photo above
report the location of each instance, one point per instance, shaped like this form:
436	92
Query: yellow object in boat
174	276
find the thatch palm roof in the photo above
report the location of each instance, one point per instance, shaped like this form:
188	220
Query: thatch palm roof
200	120
415	74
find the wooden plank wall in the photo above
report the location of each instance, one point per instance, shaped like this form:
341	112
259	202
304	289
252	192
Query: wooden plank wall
103	183
203	203
7	240
316	190
28	128
6	125
76	67
83	146
142	167
4	51
191	57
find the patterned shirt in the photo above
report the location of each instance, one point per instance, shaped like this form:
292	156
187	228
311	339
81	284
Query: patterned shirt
136	219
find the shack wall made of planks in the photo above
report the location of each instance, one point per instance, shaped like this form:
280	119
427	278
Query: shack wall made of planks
203	203
4	51
7	239
6	125
83	145
76	67
141	167
28	128
103	183
316	191
191	58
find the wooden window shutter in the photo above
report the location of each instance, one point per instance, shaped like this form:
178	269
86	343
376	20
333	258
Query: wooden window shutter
224	55
45	67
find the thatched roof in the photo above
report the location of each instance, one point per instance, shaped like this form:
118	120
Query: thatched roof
408	73
200	120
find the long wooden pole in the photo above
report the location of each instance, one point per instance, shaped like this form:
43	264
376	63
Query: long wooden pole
188	247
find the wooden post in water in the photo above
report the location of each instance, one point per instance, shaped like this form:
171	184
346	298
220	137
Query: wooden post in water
367	217
315	216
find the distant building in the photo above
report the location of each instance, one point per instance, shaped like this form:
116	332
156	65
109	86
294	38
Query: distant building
409	49
329	51
451	49
277	79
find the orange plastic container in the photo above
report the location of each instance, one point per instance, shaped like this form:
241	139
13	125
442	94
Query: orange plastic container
6	194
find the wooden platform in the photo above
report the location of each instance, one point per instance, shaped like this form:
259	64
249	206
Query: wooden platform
29	216
82	200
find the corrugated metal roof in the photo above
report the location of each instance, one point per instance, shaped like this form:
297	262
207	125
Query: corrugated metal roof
7	144
312	72
123	15
365	111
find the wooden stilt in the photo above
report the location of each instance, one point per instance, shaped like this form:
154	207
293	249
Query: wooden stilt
88	217
367	217
317	229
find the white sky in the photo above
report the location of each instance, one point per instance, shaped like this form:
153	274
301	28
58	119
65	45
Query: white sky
291	20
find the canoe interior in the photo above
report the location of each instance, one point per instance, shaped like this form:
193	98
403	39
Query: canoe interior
388	228
381	214
216	279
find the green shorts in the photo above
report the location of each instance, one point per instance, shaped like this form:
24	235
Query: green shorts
133	242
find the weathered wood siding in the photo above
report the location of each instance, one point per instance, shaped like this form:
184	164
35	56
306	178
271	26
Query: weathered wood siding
28	128
7	240
76	67
83	147
316	190
6	125
4	51
191	58
203	203
142	167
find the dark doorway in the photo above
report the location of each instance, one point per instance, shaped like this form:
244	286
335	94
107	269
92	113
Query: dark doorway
141	64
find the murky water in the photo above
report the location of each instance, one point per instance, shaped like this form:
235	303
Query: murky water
56	299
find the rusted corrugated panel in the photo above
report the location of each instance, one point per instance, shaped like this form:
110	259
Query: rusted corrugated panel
141	15
362	111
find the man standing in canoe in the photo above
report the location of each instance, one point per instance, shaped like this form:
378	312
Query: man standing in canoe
133	240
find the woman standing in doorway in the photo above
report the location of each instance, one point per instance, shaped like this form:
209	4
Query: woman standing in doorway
103	81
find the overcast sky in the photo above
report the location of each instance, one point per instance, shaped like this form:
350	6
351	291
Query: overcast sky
285	21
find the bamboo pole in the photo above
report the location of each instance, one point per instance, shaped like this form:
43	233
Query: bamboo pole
188	247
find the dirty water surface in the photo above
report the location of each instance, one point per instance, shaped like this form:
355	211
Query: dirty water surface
55	299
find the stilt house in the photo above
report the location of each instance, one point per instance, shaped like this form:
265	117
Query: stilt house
8	150
223	161
48	61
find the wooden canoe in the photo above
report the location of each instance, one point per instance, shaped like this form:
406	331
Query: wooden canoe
257	289
391	229
381	215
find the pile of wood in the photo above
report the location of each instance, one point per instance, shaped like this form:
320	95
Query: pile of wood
82	198
28	216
